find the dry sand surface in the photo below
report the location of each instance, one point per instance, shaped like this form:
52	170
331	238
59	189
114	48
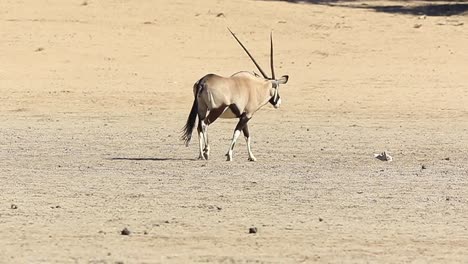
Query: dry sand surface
94	94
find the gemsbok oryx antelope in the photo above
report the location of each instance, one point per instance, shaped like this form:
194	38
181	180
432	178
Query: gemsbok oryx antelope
238	96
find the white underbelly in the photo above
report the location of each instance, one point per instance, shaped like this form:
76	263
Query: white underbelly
228	114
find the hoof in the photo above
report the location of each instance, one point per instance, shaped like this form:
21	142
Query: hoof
206	156
252	159
228	158
201	157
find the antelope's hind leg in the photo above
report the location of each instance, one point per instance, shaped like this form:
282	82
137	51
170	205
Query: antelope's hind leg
206	149
201	140
213	114
202	111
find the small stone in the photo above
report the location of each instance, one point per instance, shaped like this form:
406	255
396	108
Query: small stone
125	232
253	230
320	219
14	206
423	167
447	158
383	156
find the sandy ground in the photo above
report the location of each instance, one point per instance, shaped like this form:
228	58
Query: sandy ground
94	94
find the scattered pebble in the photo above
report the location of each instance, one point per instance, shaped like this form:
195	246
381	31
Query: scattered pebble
383	156
39	49
447	158
14	206
220	15
320	219
253	230
417	25
423	167
125	232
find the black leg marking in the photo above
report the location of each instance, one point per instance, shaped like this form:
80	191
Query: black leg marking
235	110
242	122
199	127
214	114
246	130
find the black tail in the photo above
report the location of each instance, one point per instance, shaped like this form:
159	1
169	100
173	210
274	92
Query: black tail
191	120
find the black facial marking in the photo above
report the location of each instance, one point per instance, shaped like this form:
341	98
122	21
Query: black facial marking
273	101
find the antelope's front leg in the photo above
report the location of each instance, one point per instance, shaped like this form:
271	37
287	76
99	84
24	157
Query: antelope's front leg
240	126
245	130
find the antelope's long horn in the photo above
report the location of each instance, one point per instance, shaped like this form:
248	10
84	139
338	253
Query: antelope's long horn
271	57
248	53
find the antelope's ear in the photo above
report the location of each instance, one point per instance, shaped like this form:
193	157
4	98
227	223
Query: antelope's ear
284	79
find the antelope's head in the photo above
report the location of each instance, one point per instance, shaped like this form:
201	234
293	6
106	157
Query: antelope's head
275	99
